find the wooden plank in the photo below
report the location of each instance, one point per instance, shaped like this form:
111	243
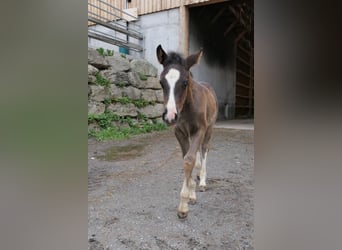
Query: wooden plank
242	96
244	50
243	60
184	30
132	14
231	26
244	74
218	15
243	106
113	27
243	85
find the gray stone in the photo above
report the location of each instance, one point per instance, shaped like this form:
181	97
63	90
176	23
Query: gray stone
96	60
153	83
160	96
158	120
149	95
94	126
131	92
150	83
153	111
92	70
96	108
119	124
123	109
134	79
98	93
115	91
143	67
119	78
118	63
91	79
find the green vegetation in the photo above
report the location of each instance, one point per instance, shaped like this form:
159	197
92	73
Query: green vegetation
109	132
120	84
105	52
139	103
123	55
142	76
100	80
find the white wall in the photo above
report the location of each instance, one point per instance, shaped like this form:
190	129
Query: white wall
159	28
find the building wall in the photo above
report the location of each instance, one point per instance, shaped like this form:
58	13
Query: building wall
159	28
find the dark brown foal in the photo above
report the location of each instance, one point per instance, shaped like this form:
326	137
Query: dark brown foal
192	108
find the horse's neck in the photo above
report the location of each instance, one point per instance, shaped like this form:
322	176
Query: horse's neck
190	92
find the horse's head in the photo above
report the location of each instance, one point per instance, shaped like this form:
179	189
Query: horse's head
175	81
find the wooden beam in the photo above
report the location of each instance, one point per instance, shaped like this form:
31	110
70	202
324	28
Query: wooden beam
239	18
218	15
184	30
242	85
244	74
231	26
243	60
237	39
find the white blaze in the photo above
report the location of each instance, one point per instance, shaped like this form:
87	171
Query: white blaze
172	77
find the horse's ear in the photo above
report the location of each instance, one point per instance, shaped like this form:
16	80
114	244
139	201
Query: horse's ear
193	59
161	54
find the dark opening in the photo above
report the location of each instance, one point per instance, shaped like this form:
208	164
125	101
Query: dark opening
225	32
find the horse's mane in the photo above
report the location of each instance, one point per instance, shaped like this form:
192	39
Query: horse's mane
175	58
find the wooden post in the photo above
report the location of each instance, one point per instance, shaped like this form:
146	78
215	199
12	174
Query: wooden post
184	29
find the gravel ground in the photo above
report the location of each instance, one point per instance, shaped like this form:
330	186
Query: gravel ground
134	186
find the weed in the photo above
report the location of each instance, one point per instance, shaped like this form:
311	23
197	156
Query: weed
142	76
100	80
123	55
107	52
108	132
120	84
142	117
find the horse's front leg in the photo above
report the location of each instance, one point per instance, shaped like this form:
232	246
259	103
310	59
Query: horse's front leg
189	185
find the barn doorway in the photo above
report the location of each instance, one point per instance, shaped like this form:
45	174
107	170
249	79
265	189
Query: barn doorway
225	32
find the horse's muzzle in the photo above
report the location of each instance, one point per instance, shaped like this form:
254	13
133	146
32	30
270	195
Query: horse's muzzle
170	117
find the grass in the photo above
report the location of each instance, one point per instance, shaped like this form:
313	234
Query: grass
108	132
139	103
142	76
120	84
100	80
107	52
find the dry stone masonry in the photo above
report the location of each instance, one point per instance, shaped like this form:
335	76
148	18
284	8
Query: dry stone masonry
122	77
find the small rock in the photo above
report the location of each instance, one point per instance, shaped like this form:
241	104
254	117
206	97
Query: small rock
96	60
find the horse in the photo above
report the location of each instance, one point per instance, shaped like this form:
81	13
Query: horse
191	108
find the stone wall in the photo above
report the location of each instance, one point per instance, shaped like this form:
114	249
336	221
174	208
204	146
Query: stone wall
123	85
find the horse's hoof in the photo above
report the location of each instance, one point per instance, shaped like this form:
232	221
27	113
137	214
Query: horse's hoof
192	201
182	215
198	178
202	188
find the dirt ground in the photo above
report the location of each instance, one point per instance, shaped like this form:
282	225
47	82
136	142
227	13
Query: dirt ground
134	186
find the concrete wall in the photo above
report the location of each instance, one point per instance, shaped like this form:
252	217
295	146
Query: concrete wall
159	28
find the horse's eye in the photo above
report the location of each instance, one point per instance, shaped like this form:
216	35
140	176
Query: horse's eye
185	82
